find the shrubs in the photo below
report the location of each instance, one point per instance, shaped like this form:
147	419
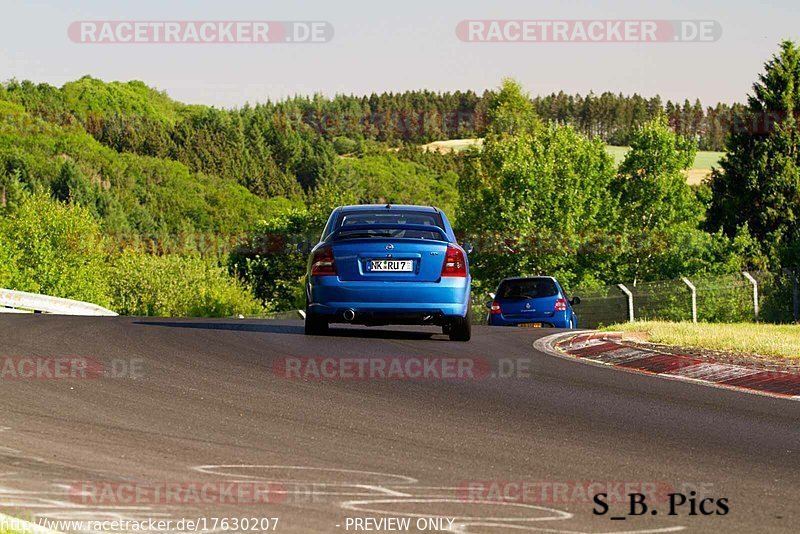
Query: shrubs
57	249
176	286
53	248
269	261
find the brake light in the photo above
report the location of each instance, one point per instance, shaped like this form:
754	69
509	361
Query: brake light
495	309
561	305
322	263
454	262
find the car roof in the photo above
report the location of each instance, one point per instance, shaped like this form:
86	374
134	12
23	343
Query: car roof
517	278
393	207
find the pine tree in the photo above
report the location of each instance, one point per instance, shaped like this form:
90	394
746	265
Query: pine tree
758	184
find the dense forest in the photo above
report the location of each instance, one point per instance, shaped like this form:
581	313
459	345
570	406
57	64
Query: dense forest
135	188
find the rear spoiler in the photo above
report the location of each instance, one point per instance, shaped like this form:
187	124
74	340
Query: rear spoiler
390	226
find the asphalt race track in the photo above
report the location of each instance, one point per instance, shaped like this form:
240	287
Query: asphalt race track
203	401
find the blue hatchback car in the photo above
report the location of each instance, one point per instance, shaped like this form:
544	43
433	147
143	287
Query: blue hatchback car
537	301
388	264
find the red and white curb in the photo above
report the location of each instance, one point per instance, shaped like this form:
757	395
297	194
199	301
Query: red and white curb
608	348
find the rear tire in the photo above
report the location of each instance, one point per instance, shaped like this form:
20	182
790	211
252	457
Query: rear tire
314	325
461	327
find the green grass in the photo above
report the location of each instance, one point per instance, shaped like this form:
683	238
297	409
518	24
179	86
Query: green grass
762	339
452	145
706	159
703	160
618	152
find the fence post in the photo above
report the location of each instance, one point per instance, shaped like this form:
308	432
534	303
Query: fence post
694	298
630	301
755	293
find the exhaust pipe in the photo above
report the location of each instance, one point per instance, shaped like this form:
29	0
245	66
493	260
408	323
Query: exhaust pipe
349	315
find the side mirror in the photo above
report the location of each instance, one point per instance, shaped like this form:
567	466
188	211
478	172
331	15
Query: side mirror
489	304
575	300
467	246
304	247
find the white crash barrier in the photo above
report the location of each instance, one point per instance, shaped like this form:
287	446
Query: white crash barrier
22	302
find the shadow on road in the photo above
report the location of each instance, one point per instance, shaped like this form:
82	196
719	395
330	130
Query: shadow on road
268	328
238	327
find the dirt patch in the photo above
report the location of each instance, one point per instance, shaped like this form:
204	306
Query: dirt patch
696	176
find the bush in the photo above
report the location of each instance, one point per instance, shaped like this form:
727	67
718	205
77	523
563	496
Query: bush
53	248
176	286
344	145
269	262
6	263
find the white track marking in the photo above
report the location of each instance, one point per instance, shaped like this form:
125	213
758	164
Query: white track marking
620	355
387	491
463	529
213	470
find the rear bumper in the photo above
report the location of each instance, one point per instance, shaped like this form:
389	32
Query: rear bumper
558	320
390	302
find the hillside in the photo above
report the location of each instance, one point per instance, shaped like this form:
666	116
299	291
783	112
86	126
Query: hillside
129	193
148	167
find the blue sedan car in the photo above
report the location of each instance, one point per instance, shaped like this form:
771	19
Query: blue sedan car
392	264
537	301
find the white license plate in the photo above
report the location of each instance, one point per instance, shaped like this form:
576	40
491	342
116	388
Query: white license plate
390	266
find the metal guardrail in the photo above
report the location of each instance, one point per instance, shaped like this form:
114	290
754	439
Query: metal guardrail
22	302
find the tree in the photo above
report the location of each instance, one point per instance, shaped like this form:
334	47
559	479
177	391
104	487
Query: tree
534	195
72	186
657	207
651	183
758	183
11	189
511	110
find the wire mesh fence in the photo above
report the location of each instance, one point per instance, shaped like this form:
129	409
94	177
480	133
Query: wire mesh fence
737	297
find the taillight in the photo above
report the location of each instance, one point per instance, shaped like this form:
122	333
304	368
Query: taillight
495	309
561	305
322	264
454	262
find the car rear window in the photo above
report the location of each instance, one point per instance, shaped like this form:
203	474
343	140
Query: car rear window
534	288
379	218
391	217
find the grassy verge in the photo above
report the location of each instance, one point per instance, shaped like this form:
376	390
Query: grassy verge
763	339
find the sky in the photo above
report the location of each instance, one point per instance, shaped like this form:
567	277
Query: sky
411	44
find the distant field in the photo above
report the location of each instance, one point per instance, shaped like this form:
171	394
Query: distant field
703	161
452	145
